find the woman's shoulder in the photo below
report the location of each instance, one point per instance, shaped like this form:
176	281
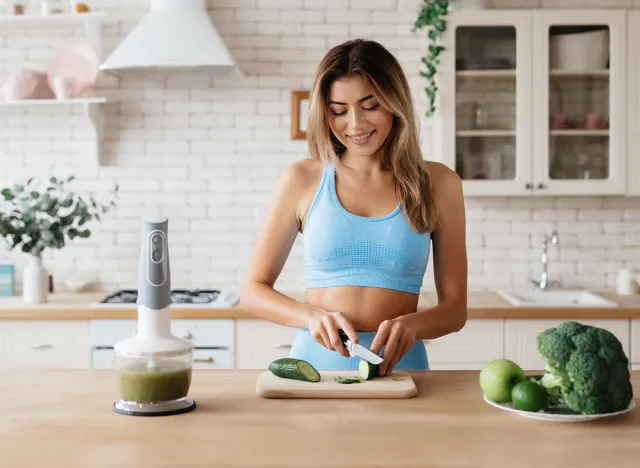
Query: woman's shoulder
300	176
444	181
303	172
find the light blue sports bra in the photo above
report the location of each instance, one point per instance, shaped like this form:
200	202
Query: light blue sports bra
344	249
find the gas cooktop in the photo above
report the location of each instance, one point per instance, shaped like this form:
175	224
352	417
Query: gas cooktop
179	298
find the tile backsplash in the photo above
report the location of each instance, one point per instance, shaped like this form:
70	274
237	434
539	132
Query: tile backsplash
206	150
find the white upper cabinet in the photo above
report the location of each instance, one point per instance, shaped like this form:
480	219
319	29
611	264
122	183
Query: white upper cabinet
579	102
532	102
633	95
483	115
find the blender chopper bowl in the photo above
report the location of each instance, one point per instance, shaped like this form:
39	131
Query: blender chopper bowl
154	366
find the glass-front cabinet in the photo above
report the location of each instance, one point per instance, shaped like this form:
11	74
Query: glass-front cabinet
633	95
483	119
579	102
532	101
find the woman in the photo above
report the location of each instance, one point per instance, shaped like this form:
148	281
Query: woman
368	207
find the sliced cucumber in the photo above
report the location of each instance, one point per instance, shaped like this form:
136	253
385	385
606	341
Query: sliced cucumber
297	369
367	370
347	380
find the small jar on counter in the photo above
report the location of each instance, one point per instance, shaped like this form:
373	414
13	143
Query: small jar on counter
78	7
18	7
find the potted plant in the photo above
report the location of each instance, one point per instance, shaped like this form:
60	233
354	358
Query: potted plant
35	219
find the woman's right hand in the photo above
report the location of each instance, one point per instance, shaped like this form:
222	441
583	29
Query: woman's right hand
324	326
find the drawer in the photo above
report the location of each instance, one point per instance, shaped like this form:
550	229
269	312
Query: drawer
479	342
45	344
203	333
202	359
259	342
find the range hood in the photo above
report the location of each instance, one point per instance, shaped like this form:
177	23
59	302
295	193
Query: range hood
174	35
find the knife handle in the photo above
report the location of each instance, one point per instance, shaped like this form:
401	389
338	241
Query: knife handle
343	336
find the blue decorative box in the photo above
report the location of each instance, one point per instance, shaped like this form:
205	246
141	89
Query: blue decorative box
7	280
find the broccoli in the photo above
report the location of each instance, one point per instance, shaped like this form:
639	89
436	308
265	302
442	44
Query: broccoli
586	367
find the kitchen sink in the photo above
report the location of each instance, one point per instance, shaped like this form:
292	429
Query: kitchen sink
556	298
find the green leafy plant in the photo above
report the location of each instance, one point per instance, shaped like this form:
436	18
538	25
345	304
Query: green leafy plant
35	219
432	16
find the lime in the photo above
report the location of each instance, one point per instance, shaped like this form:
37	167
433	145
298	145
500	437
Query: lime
529	396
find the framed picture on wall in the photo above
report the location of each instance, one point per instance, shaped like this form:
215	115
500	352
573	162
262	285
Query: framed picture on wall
299	112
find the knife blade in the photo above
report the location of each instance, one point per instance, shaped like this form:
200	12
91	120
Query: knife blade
358	350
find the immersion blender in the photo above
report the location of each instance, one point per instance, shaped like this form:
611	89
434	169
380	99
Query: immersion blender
154	366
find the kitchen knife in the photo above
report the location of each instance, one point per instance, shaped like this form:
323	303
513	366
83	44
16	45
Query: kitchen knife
357	350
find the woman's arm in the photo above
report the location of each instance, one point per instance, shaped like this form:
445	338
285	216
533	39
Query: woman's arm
271	252
449	261
399	335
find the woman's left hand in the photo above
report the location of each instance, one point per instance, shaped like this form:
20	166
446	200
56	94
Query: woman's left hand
397	338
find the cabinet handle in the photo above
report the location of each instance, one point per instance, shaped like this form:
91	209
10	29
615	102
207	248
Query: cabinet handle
528	186
541	186
282	346
205	359
41	346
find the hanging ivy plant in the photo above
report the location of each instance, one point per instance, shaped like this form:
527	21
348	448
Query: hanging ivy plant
432	16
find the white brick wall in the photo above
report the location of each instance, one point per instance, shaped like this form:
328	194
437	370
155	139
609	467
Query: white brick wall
206	151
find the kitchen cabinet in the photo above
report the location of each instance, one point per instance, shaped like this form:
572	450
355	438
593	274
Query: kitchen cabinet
534	101
480	341
521	334
45	344
260	342
633	95
254	343
213	339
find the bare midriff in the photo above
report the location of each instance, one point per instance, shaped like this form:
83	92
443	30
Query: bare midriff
366	308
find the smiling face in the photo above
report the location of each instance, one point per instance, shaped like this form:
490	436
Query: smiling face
357	120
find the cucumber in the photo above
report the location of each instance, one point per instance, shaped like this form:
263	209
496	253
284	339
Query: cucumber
347	380
297	369
367	370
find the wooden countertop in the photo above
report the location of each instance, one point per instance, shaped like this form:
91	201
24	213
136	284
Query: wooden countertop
64	418
481	305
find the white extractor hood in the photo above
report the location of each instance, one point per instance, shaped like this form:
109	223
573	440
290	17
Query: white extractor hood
173	35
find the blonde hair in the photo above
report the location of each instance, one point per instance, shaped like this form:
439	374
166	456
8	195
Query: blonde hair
402	155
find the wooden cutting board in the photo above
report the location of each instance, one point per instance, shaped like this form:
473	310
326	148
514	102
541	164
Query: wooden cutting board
397	385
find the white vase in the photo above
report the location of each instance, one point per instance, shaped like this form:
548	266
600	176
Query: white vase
35	281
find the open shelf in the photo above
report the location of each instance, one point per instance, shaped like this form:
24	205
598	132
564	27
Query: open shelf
92	22
92	109
54	102
52	20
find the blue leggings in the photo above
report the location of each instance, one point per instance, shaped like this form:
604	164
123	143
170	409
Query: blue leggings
304	347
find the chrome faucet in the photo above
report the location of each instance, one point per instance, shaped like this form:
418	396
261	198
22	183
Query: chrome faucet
544	283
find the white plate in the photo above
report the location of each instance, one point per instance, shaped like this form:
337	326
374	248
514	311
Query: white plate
543	416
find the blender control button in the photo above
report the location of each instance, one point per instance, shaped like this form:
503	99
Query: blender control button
156	255
157	239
